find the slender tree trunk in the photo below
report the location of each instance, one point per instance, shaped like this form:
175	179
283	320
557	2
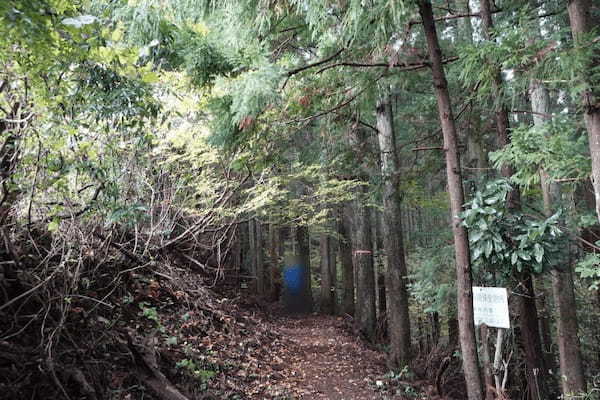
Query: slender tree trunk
346	263
274	254
461	242
261	273
396	279
571	367
487	362
545	331
252	267
333	271
537	375
362	246
435	328
452	331
536	371
379	269
581	24
363	258
327	300
236	254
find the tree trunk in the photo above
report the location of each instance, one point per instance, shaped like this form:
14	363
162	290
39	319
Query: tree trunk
236	254
261	274
461	242
435	328
396	279
487	362
252	255
571	367
452	331
378	251
346	261
529	320
333	271
363	258
327	300
581	24
274	254
573	378
534	361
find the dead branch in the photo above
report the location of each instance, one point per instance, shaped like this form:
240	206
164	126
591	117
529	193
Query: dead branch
149	373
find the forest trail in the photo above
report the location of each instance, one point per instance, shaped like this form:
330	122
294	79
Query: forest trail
319	359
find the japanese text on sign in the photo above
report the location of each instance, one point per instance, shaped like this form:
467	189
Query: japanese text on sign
490	306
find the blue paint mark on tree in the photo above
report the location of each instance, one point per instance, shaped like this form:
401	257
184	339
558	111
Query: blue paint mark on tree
293	278
296	287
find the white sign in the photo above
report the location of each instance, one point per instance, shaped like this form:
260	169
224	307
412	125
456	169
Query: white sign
490	306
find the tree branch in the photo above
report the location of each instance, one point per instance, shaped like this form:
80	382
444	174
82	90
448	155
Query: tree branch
401	67
312	65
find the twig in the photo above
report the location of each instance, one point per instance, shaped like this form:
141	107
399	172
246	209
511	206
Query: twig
304	68
399	67
531	112
33	289
428	148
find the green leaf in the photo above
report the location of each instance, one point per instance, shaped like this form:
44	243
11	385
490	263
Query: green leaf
54	225
514	258
524	255
489	246
475	236
538	252
80	21
477	252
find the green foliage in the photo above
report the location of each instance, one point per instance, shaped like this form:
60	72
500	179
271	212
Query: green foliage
201	58
558	147
508	241
105	95
431	280
149	312
203	375
589	268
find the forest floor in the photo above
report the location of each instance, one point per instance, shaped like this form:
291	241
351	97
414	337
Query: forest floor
323	360
167	336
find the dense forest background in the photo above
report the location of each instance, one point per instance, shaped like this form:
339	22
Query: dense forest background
160	160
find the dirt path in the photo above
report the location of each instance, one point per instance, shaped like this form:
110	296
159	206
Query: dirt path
319	360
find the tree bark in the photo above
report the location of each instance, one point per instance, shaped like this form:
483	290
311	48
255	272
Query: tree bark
252	255
327	300
363	258
461	242
346	263
536	371
275	279
571	367
435	328
333	271
581	24
487	362
396	272
261	274
380	268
